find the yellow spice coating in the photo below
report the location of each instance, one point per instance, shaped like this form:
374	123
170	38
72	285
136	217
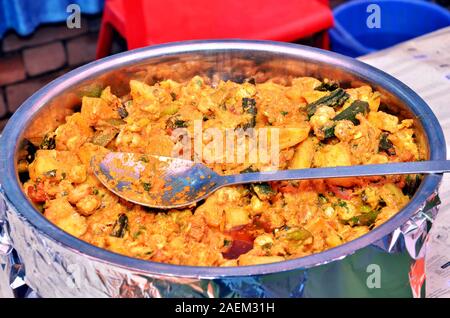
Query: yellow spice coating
238	225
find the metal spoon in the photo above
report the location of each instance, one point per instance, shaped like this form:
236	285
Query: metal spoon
185	182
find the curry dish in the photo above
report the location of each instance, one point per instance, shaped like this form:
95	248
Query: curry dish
320	125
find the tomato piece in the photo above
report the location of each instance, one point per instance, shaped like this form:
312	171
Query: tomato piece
237	248
340	192
242	242
36	193
242	233
289	189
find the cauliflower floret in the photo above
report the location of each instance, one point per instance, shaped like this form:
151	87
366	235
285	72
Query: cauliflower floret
405	145
344	130
384	121
79	192
264	240
128	139
322	119
149	98
87	205
365	93
94	109
78	174
227	195
345	210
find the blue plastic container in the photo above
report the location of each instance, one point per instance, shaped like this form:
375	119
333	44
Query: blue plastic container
401	20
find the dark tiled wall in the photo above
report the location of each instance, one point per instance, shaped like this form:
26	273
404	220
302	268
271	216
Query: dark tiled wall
28	63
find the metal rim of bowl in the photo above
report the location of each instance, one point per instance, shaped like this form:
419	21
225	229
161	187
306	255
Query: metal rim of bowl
17	123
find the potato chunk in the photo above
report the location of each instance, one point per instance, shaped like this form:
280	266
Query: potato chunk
290	136
236	216
112	100
52	164
322	118
256	260
333	156
73	133
94	109
45	161
212	211
304	154
88	150
393	196
61	213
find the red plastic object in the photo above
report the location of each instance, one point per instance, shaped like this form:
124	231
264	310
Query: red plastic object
144	23
113	18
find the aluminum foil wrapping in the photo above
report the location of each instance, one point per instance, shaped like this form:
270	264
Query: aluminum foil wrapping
40	267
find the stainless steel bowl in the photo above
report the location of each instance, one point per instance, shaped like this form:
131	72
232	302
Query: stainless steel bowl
229	59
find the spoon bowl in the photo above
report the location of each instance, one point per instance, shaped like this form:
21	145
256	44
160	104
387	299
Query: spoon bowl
184	182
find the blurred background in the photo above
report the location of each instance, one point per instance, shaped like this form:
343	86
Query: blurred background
41	40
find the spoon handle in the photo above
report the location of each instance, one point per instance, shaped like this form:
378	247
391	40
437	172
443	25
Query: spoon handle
342	172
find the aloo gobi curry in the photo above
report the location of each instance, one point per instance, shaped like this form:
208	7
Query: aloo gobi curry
320	125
